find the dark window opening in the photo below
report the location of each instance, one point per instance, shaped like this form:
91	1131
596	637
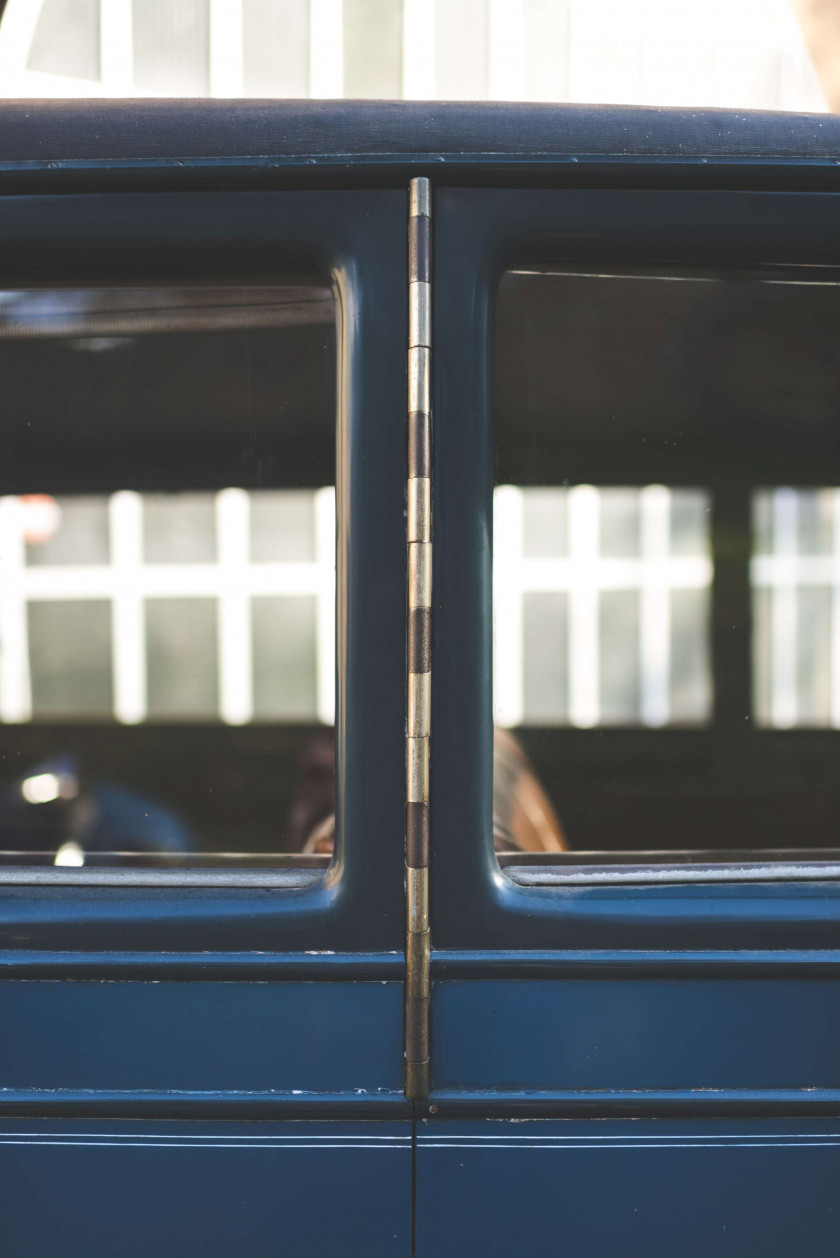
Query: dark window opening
167	572
667	559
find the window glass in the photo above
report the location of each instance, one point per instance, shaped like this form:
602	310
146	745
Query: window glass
667	558
796	592
592	626
167	570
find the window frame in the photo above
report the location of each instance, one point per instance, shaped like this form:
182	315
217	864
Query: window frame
357	240
479	235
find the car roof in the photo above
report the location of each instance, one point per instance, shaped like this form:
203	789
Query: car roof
399	137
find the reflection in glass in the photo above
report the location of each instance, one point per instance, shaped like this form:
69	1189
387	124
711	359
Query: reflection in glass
67	670
167	567
591	628
796	612
181	577
667	552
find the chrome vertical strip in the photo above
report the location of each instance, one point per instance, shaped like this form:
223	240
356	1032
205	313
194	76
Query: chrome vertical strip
419	663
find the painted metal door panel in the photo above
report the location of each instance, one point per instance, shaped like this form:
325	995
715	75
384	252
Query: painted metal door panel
657	1034
214	1066
246	1037
615	1069
629	1189
215	1188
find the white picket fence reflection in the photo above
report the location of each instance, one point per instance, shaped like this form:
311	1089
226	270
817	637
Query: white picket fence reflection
139	584
796	607
601	602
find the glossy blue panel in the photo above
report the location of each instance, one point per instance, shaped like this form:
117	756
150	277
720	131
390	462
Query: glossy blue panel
636	1033
359	238
202	1036
215	1189
629	1189
479	232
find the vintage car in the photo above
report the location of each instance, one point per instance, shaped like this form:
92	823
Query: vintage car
334	435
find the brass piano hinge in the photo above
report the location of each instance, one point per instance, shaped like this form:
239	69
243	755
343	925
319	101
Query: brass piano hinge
419	641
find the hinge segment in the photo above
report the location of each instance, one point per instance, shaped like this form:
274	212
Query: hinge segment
419	640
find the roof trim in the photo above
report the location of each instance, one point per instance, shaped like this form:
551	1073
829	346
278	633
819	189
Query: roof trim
81	134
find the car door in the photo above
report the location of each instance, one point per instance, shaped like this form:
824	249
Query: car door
633	1040
202	1043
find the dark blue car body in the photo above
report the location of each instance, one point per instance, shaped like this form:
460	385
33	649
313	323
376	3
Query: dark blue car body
215	1066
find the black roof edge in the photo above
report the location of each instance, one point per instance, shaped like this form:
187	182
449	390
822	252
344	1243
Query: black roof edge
73	131
76	145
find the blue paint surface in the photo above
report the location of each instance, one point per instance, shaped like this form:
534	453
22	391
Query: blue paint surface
629	1189
195	1036
215	1189
636	1033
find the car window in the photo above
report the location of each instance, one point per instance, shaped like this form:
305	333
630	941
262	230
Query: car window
167	569
667	526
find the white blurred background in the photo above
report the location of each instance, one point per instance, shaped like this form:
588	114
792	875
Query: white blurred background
734	53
